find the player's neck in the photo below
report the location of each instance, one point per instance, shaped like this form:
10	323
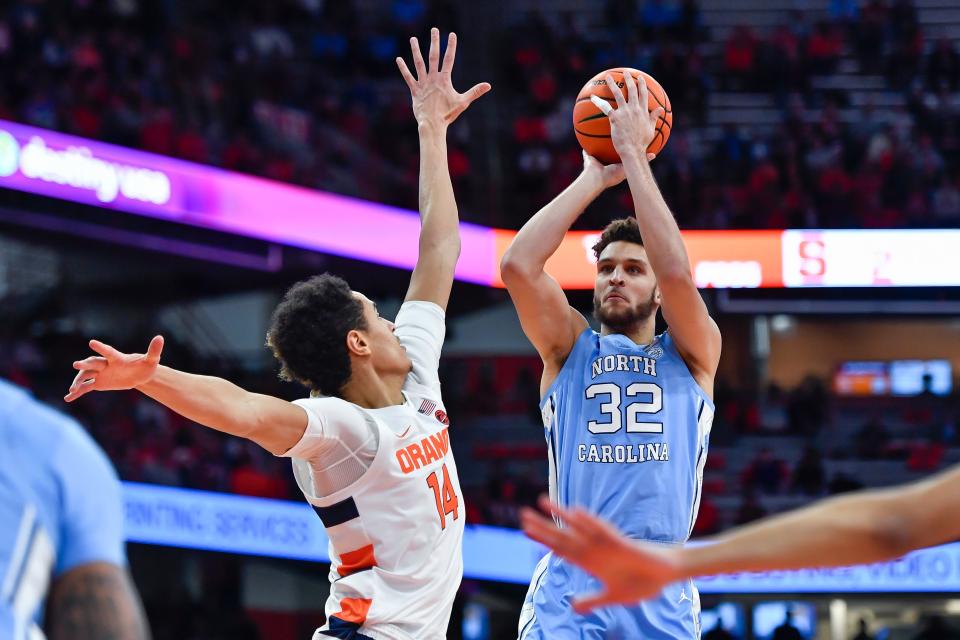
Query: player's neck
640	333
370	390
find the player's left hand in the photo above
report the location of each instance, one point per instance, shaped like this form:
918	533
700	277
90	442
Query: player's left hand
435	101
113	370
629	571
632	124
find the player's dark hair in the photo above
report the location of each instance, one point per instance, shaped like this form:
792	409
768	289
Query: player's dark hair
309	329
622	230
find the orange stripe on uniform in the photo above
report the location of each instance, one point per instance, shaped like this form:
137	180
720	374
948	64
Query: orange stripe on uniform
354	610
358	560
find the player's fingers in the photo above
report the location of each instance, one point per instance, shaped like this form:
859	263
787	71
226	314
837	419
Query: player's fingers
631	86
80	390
615	90
546	532
104	349
417	58
94	363
155	349
644	93
605	107
434	54
656	114
589	603
476	91
450	55
651	156
405	72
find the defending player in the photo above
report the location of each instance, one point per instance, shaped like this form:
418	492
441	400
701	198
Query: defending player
370	448
858	528
627	413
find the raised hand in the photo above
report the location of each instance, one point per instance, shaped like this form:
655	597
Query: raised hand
632	124
630	571
113	370
607	176
435	101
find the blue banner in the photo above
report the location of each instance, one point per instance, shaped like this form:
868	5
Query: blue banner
192	519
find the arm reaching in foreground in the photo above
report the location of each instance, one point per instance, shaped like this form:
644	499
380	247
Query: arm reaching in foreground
858	528
274	424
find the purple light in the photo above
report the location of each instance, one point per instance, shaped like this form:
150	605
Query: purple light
70	168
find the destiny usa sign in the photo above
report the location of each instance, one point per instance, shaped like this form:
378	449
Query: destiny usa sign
191	519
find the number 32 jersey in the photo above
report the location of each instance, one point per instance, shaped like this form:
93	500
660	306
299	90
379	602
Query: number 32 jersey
627	429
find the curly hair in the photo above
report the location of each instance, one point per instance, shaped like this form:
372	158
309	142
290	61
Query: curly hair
622	230
308	332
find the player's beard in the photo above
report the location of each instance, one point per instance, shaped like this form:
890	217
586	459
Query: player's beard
622	320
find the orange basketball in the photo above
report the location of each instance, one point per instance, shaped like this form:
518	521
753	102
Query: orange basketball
593	128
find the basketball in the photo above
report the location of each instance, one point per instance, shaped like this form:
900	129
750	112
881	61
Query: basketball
593	128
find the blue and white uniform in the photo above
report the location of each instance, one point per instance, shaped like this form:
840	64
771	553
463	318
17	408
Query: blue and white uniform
627	431
60	507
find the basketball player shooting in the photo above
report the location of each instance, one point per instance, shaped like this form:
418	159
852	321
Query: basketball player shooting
858	528
627	413
370	447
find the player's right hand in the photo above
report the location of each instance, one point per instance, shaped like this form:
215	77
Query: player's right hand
606	175
629	571
435	101
113	370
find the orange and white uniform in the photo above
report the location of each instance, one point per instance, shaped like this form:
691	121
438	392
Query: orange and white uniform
385	485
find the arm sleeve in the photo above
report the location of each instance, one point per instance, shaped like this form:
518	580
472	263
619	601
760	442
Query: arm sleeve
92	503
329	420
420	327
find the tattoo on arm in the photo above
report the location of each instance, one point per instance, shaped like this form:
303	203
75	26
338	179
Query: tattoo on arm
96	602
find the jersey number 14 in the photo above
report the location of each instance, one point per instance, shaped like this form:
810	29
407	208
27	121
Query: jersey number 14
620	402
446	497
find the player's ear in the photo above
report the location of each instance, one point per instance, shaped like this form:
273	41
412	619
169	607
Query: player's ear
357	343
656	295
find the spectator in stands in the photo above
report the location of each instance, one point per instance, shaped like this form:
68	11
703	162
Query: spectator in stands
719	632
842	482
943	66
766	472
750	509
787	630
808	477
739	59
872	439
863	633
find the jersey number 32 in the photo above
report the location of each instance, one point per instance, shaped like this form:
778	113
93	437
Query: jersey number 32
620	402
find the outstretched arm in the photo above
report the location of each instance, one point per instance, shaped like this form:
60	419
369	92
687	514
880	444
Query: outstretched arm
550	323
274	424
96	601
436	104
632	127
858	528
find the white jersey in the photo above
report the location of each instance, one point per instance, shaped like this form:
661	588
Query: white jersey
396	528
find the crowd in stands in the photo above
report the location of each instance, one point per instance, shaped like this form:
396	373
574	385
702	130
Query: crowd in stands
307	92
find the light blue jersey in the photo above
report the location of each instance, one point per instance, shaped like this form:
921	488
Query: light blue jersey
627	430
60	507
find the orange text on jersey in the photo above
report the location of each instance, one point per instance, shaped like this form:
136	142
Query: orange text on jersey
420	454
